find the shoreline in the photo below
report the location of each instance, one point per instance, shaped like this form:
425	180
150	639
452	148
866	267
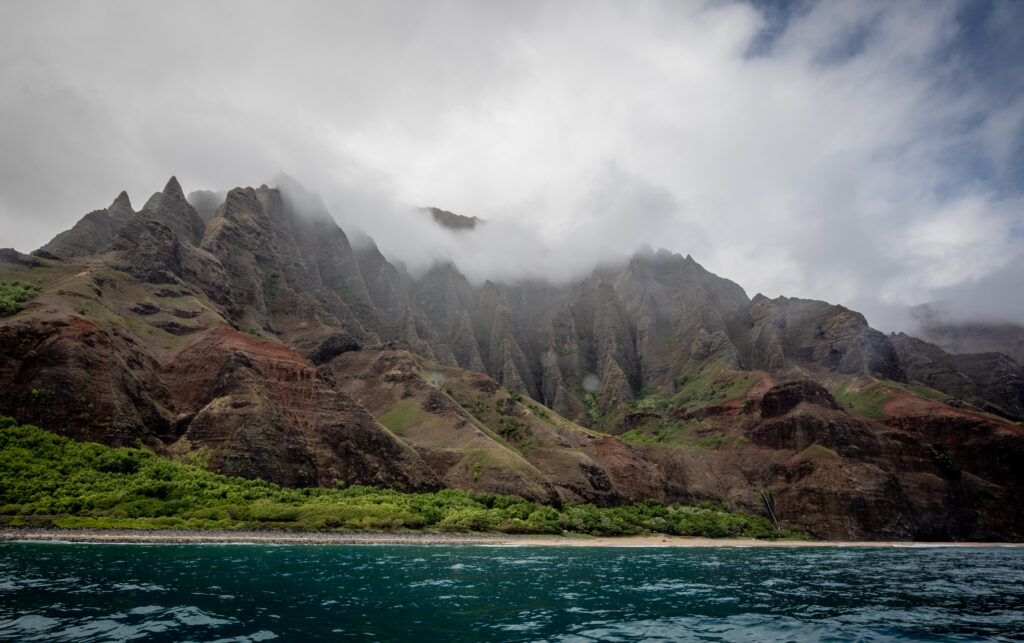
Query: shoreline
186	537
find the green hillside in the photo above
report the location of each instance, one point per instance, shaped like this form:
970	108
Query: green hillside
46	479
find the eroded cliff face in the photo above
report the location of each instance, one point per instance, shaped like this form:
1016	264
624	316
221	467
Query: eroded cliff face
259	334
66	373
805	337
991	382
259	409
265	411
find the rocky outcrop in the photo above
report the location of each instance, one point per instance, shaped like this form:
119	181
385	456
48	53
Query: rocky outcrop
266	412
91	233
785	397
999	380
801	337
680	313
13	257
151	251
174	211
451	220
332	346
238	236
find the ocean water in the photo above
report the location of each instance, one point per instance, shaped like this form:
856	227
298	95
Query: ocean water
79	592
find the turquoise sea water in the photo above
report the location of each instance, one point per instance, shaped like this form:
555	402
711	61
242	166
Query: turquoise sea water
77	592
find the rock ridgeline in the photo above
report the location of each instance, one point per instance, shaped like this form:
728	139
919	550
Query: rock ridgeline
246	327
636	327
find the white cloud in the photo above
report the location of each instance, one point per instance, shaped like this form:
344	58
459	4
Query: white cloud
858	157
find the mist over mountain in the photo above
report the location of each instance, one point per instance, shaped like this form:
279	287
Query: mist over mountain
942	325
511	252
863	153
502	250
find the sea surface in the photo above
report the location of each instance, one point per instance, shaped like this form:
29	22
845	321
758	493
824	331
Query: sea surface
82	592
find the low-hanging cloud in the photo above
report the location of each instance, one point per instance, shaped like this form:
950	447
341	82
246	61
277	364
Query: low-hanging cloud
865	153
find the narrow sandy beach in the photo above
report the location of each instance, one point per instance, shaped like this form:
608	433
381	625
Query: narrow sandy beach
176	537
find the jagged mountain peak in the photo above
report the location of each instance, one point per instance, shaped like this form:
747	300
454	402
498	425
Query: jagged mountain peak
121	204
654	314
631	308
173	189
151	202
174	211
241	198
91	233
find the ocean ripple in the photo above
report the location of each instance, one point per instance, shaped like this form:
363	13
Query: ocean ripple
254	593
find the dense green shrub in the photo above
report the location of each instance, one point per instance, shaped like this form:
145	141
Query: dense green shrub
80	484
13	294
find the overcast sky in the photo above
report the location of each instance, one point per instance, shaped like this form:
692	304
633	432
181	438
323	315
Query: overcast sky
866	153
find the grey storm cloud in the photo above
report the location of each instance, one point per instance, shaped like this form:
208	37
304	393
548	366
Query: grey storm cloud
866	153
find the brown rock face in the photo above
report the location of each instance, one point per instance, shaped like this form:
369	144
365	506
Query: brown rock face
152	251
450	439
917	475
783	398
82	381
266	412
261	409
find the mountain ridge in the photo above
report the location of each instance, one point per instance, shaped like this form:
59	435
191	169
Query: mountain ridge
264	336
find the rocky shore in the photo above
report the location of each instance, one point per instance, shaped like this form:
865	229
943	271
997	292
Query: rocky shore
187	537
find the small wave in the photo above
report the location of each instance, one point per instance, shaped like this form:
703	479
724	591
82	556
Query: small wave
256	637
135	587
433	582
29	623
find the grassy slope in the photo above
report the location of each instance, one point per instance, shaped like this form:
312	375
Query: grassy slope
47	479
867	402
74	288
870	401
712	385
